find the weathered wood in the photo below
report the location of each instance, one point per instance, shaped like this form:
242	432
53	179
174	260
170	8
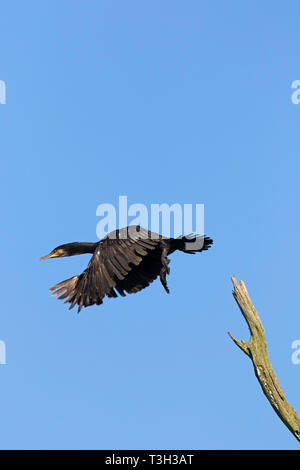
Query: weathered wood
256	349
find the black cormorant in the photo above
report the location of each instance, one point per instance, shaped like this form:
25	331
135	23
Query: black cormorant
126	260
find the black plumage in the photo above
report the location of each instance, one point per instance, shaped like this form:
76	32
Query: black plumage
126	260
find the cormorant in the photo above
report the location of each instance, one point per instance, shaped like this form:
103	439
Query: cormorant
126	260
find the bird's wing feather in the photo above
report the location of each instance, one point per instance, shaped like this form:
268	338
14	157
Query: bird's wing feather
145	273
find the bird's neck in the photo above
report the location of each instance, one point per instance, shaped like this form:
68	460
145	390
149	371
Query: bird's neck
80	248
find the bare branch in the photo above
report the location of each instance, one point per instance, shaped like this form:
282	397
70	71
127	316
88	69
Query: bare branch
256	349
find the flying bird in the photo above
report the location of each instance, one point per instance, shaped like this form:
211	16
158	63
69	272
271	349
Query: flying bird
125	260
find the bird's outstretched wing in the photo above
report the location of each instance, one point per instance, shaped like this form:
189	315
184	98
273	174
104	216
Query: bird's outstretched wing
113	267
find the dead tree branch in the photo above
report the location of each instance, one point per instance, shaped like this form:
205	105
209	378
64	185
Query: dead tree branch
256	349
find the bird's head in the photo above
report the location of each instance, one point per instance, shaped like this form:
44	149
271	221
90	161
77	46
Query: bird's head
61	251
70	249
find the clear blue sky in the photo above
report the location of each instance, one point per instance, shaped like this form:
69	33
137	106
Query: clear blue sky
171	101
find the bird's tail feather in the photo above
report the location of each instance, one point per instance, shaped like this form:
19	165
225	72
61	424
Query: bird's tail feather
192	244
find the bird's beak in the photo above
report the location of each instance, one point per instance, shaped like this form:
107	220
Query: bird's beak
51	255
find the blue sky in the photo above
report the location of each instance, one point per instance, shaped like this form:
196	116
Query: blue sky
186	102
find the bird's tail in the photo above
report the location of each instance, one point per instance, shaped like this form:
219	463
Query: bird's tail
192	244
